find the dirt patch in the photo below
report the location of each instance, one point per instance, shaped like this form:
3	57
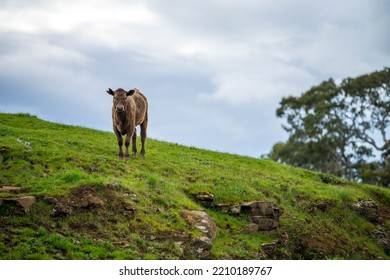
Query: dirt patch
384	212
83	197
88	198
319	244
95	211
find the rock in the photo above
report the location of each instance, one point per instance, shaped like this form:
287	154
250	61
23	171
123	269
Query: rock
85	197
202	221
262	208
382	236
251	228
368	209
270	248
283	238
160	210
62	209
224	208
50	199
25	202
132	196
130	210
263	213
265	223
4	153
4	150
201	246
277	249
324	205
10	189
205	198
25	143
235	209
321	204
121	243
91	201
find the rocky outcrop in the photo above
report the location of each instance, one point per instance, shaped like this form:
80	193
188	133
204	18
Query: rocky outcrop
263	213
24	203
205	199
382	236
202	221
226	208
201	246
369	209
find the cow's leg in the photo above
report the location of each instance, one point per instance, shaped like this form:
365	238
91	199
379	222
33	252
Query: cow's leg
120	142
144	126
134	142
127	141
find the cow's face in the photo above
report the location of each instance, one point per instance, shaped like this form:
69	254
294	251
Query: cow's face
119	98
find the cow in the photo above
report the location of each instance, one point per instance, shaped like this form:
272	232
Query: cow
129	109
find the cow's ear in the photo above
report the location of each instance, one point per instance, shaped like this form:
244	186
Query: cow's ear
110	91
130	92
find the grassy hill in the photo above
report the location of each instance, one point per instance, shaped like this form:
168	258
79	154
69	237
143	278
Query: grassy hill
91	205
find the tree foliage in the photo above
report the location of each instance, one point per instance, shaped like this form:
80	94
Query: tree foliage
340	129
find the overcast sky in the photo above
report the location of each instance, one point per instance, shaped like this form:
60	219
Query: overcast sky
214	71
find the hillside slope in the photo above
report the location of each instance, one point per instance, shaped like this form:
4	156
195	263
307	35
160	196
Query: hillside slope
88	204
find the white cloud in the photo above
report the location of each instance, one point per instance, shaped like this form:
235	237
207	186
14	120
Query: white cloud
67	16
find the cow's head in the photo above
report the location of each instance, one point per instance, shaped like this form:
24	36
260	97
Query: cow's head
119	99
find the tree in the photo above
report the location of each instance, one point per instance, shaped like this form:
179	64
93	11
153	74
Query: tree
340	129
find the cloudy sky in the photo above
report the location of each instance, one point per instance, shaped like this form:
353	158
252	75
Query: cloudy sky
214	71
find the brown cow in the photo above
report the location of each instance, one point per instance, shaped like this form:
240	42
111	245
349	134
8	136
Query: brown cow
129	109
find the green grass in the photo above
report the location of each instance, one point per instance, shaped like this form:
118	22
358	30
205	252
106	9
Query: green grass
50	160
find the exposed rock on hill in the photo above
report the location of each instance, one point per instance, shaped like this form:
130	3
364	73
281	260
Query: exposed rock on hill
25	203
265	214
201	246
368	209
